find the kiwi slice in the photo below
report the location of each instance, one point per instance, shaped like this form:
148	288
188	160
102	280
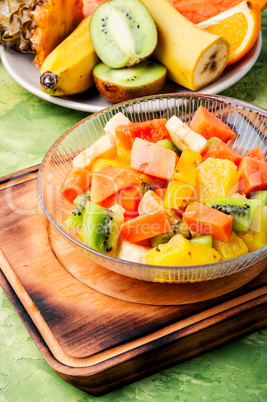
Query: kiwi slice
206	240
76	217
100	228
118	85
242	211
122	32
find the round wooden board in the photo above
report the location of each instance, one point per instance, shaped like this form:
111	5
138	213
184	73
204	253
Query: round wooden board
133	290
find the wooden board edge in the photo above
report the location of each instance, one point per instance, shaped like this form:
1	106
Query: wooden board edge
20	174
145	361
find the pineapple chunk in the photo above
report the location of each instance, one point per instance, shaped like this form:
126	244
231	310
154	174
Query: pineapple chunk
130	252
180	252
233	249
104	147
253	240
117	120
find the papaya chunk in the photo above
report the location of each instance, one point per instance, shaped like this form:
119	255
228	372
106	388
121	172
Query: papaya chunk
146	226
153	159
219	149
151	130
75	183
109	180
253	175
208	221
208	125
256	153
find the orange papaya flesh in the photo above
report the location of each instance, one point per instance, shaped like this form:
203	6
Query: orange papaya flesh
219	149
75	183
205	220
208	125
128	197
153	159
109	180
151	130
146	226
160	192
256	153
253	175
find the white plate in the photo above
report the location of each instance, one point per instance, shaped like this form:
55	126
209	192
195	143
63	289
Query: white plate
24	72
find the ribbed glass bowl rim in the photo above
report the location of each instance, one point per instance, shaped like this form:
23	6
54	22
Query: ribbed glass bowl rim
232	101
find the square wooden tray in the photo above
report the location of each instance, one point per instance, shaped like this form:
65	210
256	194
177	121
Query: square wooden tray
102	331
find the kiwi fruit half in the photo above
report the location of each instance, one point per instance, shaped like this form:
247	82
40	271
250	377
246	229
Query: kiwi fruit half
118	85
122	32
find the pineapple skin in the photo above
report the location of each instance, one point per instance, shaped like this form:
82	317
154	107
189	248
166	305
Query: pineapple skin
38	26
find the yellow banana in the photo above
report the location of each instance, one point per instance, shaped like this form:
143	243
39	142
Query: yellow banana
67	70
193	58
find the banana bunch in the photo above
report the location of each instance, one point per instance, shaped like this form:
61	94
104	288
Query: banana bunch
67	70
193	57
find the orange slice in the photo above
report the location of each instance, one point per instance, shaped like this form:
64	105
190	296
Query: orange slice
240	26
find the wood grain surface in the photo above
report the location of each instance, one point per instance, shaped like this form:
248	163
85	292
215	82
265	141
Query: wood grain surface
98	338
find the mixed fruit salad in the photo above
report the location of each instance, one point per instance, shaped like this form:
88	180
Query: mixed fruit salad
161	192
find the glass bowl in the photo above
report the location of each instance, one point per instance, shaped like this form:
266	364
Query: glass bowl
247	120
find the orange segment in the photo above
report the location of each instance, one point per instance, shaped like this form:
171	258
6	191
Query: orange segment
240	26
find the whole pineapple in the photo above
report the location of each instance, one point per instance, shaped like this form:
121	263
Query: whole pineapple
33	26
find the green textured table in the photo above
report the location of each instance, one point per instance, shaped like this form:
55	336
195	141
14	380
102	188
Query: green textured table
233	372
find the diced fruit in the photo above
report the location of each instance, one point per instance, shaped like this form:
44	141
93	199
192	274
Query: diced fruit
109	180
76	181
178	194
179	251
219	149
117	120
208	125
161	239
234	248
259	223
149	203
186	167
253	240
100	228
160	192
256	153
168	144
152	159
211	141
261	196
104	147
119	211
216	178
76	217
122	153
242	211
128	198
206	240
253	175
184	137
98	164
151	130
208	221
146	226
130	252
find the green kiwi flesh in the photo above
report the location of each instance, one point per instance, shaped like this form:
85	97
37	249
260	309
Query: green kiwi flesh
100	228
261	196
122	32
205	240
242	211
76	217
118	85
168	144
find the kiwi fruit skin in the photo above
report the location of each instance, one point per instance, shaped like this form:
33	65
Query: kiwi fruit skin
149	79
100	228
123	32
242	211
76	217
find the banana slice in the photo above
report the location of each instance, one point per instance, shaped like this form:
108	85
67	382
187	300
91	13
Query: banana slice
130	252
117	120
183	137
